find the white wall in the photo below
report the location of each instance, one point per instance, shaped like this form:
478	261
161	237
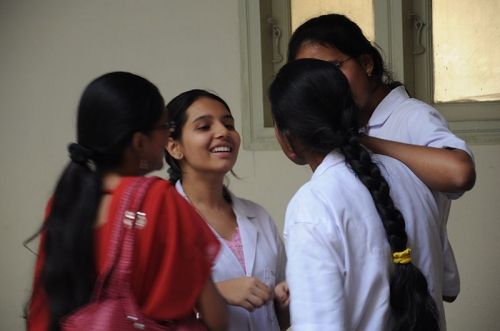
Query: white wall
49	50
474	230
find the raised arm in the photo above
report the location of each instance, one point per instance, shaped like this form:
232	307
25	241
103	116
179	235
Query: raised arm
442	169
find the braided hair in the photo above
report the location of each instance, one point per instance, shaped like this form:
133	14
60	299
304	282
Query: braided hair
312	102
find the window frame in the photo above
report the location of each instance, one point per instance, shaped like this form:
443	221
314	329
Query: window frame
395	34
256	136
475	122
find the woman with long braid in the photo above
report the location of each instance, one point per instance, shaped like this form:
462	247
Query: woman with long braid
363	235
388	115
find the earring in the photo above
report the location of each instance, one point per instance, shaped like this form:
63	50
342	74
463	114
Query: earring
143	165
179	156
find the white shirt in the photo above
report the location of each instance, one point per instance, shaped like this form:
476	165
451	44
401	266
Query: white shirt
401	118
265	259
339	259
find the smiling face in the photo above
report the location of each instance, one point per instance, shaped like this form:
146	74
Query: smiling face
208	142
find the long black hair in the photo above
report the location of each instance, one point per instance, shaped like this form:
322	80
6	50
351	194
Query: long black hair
335	30
312	102
112	108
177	117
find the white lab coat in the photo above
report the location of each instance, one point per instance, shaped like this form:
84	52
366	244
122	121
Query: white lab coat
265	259
401	118
339	259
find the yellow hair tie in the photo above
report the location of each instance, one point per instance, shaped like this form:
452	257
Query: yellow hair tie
402	257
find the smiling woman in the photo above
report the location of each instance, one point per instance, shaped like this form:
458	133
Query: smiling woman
209	136
121	138
202	149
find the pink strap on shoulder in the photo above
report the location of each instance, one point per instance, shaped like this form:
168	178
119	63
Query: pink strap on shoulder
118	269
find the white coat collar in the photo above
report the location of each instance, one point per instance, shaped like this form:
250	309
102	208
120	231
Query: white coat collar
248	230
331	159
238	206
387	106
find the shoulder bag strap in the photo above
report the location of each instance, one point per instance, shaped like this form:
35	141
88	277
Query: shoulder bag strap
120	256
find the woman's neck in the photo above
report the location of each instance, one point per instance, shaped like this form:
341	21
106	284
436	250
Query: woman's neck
314	160
204	191
206	195
110	181
379	92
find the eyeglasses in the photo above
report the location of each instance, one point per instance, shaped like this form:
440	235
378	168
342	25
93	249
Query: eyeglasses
339	63
165	126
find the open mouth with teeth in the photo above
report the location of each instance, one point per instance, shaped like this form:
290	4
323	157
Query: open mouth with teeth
221	149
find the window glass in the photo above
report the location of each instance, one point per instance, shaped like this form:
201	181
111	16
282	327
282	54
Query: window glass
466	37
360	11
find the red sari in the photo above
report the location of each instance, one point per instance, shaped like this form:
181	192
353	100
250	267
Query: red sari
173	257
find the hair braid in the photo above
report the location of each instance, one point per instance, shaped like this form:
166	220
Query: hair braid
412	305
69	278
111	109
368	172
311	102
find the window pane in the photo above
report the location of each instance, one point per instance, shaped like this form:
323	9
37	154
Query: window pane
466	50
360	11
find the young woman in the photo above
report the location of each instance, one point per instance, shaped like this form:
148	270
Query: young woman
395	124
122	133
363	236
202	149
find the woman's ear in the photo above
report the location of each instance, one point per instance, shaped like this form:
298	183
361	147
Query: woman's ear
174	149
288	147
367	63
138	142
139	153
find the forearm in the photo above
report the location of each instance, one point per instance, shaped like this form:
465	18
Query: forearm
212	308
443	170
247	292
226	289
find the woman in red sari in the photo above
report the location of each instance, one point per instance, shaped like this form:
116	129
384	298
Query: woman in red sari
121	133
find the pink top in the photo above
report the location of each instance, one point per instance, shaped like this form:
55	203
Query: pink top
237	247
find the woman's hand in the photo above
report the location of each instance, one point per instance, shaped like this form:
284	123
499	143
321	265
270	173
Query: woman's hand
441	169
281	303
247	292
282	295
